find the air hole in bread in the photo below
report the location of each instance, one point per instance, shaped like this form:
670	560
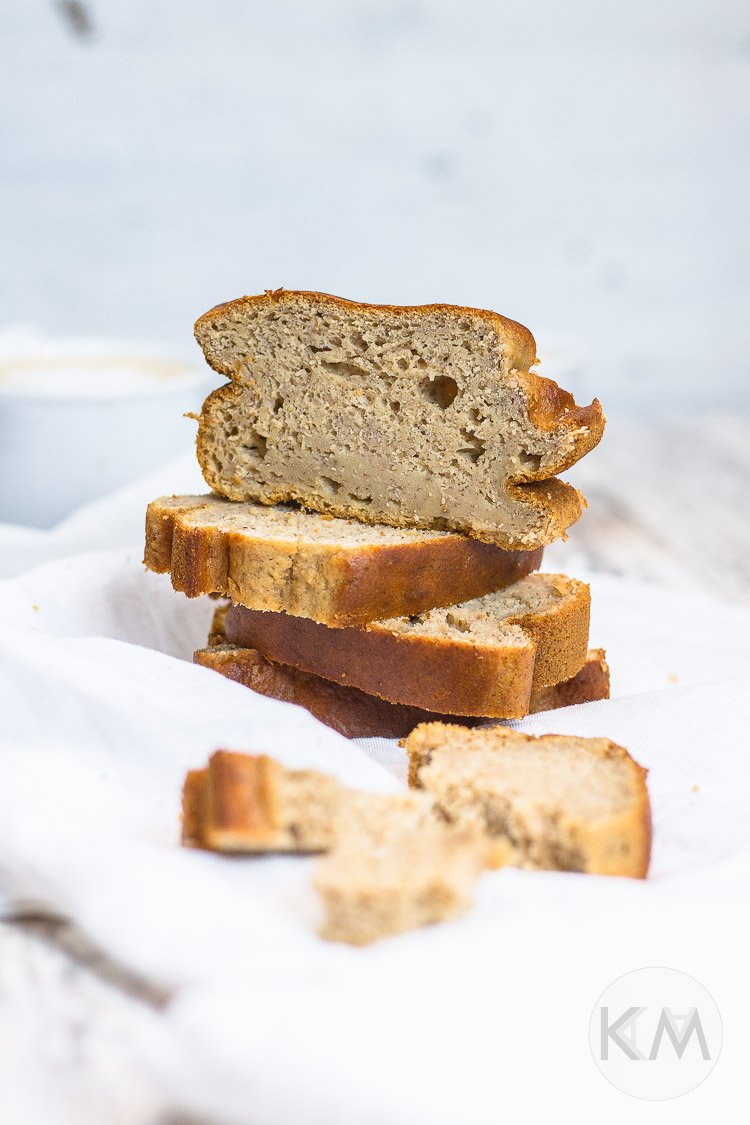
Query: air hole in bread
473	449
278	402
529	460
441	390
459	623
395	407
348	370
330	484
257	445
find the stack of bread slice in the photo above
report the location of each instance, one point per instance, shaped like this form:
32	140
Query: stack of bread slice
383	485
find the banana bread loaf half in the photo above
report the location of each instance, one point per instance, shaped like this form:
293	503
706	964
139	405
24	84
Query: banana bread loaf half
424	416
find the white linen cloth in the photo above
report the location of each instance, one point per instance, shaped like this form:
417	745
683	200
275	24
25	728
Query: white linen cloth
477	1021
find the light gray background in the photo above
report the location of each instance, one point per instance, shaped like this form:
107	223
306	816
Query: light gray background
583	167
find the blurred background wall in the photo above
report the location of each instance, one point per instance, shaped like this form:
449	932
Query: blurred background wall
583	167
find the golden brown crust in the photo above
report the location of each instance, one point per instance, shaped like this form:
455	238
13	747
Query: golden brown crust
217	633
193	800
561	503
349	711
246	803
240	811
432	576
560	634
592	683
552	408
435	673
337	585
354	713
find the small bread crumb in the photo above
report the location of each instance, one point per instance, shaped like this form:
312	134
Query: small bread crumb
695	788
672	678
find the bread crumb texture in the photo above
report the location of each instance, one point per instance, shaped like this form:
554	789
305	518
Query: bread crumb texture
395	867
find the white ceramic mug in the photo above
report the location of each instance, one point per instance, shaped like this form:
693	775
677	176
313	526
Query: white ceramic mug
79	419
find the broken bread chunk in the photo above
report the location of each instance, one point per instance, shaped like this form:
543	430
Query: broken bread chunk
247	803
560	803
392	862
395	867
425	416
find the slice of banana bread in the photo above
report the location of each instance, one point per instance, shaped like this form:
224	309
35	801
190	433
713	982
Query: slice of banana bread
332	570
559	802
354	713
483	657
422	416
